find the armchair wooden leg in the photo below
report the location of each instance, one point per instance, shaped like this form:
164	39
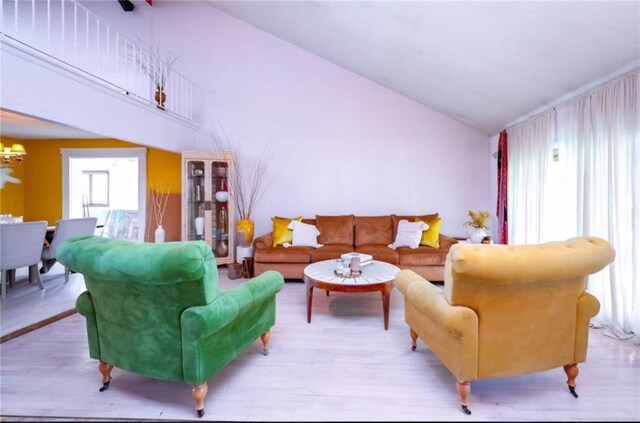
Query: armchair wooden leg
464	389
265	342
105	369
572	373
199	392
11	277
414	339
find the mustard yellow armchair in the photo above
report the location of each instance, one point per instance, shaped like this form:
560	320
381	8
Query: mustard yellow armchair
507	310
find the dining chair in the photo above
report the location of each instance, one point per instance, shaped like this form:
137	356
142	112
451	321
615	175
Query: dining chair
20	246
65	229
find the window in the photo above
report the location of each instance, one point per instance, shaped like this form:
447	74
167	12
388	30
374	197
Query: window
96	188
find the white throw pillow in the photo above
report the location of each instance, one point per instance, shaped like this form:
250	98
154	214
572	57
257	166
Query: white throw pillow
304	235
409	234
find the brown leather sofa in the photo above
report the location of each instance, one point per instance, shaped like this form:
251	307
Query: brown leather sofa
348	233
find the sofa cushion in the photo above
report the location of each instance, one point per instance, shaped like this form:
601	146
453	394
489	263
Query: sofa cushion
335	229
330	252
397	218
283	255
379	252
281	232
421	256
409	234
304	234
373	230
431	237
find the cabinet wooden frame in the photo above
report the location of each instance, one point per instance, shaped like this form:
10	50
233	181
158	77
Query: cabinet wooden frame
206	201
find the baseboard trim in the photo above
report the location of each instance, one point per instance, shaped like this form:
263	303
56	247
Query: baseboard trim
37	325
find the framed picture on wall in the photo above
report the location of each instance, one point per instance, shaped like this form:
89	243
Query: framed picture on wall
122	224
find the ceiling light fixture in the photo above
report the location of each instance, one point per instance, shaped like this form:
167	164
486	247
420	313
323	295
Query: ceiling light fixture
12	156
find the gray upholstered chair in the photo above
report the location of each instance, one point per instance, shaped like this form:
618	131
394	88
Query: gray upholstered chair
65	229
20	246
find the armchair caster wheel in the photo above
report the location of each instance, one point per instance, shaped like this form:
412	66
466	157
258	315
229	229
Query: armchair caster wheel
265	351
572	389
200	412
466	410
105	386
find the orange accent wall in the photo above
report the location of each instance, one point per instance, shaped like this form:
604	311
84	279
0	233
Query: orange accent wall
12	195
42	183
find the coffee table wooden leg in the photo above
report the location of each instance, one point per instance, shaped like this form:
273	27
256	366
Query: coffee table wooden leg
386	296
309	301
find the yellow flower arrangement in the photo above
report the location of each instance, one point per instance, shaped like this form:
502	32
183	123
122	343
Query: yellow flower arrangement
478	219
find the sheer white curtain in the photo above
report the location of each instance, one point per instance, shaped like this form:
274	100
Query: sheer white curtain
591	189
530	155
599	144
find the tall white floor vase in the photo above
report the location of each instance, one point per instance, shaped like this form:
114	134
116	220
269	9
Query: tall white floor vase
159	234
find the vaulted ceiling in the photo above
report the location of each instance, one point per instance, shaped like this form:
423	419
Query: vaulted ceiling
483	63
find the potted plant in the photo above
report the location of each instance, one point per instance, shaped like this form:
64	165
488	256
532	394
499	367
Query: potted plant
478	225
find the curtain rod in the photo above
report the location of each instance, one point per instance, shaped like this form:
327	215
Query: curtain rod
589	88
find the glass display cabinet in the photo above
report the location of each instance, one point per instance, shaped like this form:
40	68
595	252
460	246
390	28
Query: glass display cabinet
207	207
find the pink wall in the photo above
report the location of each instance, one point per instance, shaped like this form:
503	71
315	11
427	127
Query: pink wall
342	144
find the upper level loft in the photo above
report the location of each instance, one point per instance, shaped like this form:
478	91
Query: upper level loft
68	34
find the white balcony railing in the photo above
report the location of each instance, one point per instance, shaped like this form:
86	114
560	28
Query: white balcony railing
67	31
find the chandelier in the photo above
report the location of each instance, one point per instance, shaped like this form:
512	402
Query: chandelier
12	156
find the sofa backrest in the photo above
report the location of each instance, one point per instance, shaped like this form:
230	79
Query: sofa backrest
373	230
139	291
335	229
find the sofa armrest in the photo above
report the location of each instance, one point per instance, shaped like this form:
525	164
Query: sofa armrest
263	241
446	242
451	332
201	321
84	306
430	300
588	307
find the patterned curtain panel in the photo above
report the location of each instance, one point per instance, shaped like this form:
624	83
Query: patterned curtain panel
501	206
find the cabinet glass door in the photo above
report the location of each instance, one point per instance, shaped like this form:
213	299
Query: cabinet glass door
196	200
220	211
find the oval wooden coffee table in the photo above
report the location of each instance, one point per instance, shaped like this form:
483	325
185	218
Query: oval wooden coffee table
377	276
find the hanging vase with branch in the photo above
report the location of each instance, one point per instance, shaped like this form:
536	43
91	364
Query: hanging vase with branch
158	66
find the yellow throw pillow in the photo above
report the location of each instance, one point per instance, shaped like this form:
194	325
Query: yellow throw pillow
281	233
431	237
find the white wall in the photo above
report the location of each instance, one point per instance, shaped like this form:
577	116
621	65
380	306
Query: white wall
342	144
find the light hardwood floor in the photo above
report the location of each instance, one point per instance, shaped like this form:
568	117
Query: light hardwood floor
342	367
27	304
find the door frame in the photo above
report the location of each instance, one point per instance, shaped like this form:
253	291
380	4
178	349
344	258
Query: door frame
139	153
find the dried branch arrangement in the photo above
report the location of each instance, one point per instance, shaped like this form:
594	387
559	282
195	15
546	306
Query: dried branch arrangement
245	194
160	199
153	63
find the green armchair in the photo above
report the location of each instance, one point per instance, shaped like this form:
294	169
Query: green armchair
156	310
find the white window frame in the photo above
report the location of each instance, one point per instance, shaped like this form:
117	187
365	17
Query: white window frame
87	153
91	174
